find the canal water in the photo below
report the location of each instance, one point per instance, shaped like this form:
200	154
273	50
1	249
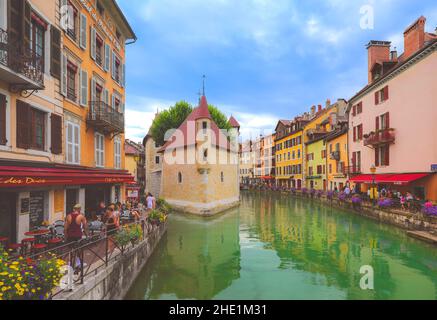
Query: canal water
278	247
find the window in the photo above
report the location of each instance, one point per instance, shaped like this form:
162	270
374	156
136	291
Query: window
100	8
222	177
72	138
38	29
298	154
382	156
99	50
319	169
310	171
99	141
157	160
204	125
179	178
381	95
31	127
71	81
3	120
117	153
72	21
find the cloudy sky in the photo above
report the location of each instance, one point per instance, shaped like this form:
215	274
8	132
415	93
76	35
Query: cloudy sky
264	59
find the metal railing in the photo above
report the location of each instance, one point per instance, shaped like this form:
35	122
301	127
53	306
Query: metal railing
103	115
89	256
379	137
21	58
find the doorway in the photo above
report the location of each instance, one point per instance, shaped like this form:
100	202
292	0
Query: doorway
8	214
72	198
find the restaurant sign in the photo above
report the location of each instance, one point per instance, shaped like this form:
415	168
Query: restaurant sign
34	181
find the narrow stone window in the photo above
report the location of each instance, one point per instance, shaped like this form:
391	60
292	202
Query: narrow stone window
222	176
179	178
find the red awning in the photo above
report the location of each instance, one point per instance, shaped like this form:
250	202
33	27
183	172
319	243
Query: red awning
36	176
399	179
267	178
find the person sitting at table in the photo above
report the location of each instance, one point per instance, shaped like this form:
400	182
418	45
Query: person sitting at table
100	212
75	225
111	221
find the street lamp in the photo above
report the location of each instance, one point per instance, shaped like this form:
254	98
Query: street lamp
373	171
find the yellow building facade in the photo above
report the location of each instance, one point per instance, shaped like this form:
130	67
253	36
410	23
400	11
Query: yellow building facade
337	158
289	153
59	137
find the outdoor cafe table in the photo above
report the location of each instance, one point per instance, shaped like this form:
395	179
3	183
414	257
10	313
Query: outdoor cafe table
37	234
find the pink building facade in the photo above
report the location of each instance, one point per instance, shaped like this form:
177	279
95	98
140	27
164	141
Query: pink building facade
392	121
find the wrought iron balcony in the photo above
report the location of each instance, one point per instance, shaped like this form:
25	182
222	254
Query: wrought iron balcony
104	118
374	139
352	170
335	155
20	67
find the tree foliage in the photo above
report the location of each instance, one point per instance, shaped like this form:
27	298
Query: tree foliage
173	117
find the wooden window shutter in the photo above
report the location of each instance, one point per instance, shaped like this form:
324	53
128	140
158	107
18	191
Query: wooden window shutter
93	43
355	134
377	156
27	23
83	31
107	57
354	110
3	140
387	120
56	133
377	97
83	88
387	155
23	125
64	75
377	124
15	20
385	93
354	160
55	53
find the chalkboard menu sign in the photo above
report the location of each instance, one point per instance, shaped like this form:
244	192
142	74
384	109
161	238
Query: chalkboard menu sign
25	203
36	217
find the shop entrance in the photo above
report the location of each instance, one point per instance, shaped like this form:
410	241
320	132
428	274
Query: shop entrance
93	196
72	198
8	213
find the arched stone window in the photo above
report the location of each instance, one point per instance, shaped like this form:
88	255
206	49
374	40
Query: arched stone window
179	177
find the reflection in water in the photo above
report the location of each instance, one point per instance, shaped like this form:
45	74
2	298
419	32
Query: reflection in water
277	247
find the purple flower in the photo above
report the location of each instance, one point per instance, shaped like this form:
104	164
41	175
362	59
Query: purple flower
385	203
342	196
431	211
330	195
357	200
304	190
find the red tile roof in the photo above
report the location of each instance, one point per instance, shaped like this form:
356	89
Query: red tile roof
233	122
187	129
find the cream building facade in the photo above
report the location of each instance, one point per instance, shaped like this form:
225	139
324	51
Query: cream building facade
200	169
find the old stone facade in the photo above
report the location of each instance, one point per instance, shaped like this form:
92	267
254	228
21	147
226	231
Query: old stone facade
199	164
153	164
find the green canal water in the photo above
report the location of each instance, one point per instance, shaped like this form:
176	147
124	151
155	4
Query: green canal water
277	247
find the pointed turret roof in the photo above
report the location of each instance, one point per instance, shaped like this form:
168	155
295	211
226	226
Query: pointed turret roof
201	112
233	122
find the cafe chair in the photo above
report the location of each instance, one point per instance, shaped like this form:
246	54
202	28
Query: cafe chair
39	247
27	245
53	243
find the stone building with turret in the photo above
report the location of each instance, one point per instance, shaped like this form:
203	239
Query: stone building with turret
198	165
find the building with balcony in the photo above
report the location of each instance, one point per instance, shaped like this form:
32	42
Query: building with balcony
392	119
289	152
52	147
94	35
337	157
323	123
200	169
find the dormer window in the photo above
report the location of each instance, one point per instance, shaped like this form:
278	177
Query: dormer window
100	8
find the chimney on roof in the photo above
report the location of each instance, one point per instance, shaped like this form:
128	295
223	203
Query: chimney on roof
328	103
394	55
414	37
313	110
377	51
